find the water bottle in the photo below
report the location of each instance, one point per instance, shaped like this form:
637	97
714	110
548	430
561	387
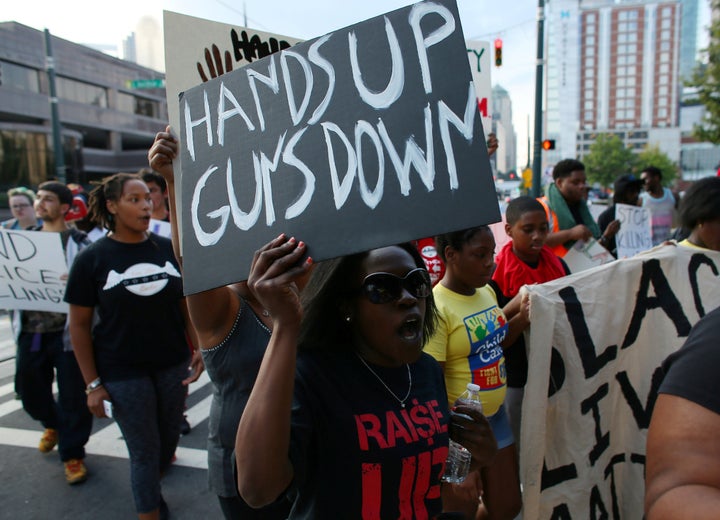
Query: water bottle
471	398
457	464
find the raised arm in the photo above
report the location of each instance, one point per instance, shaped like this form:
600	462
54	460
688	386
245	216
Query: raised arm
264	469
212	312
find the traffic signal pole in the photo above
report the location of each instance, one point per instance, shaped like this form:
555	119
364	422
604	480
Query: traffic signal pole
537	143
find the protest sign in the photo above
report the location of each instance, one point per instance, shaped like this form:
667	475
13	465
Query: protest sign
31	266
635	234
196	48
585	255
480	68
365	137
595	346
160	227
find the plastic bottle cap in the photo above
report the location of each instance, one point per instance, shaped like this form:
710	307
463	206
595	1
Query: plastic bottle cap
473	387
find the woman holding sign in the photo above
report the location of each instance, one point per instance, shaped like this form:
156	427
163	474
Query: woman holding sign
134	358
348	415
233	330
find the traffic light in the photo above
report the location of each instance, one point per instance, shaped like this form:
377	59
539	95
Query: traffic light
548	144
498	52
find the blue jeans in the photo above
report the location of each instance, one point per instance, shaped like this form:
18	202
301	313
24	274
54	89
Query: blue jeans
38	363
148	411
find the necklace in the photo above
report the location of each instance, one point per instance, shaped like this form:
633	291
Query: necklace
401	401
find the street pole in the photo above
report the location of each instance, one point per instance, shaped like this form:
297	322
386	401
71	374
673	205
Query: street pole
537	161
54	113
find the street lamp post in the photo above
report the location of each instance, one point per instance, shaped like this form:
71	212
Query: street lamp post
537	162
54	113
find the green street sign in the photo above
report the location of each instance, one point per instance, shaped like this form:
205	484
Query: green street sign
146	83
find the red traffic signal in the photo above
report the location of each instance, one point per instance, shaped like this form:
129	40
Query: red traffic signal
548	144
498	52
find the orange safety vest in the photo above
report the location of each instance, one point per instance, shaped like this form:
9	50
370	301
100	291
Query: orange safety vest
554	226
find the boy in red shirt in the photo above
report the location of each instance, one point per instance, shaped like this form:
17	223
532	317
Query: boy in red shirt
524	260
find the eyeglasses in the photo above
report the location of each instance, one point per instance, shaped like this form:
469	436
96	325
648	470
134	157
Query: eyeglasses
20	206
385	287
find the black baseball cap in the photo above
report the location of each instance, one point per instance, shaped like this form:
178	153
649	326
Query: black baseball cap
627	182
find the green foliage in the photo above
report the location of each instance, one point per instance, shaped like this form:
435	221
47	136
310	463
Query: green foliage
652	156
608	159
706	79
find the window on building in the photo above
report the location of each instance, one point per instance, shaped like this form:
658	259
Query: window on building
633	15
622	38
664	68
622	26
632	48
589	51
665	23
632	26
621	81
589	93
620	103
662	91
666	12
590	29
589	73
662	101
623	15
665	35
589	115
81	92
631	59
631	71
631	81
588	105
589	41
19	77
137	105
622	60
622	71
663	79
632	37
589	83
662	113
590	18
665	46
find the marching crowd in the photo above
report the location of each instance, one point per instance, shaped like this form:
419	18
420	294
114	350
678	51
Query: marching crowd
334	385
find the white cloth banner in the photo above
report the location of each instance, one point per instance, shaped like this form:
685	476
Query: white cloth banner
600	336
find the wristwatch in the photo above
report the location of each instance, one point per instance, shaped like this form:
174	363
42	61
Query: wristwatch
94	385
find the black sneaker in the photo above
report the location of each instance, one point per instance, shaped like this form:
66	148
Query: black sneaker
164	511
184	426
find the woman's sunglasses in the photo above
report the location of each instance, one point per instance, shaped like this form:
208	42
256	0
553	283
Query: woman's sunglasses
385	287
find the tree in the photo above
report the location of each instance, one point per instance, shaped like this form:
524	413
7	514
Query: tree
706	79
653	156
608	159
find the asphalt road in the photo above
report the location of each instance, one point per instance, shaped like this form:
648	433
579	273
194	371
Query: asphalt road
32	484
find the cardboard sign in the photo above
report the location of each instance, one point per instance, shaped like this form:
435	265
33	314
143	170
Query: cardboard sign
635	234
32	271
480	69
365	137
586	255
198	49
595	346
160	227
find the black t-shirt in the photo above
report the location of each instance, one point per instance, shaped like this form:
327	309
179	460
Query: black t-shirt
136	291
355	452
604	220
692	371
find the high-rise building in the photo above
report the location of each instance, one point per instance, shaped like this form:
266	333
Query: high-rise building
612	67
504	130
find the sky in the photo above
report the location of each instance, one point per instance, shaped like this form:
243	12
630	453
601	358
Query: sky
93	22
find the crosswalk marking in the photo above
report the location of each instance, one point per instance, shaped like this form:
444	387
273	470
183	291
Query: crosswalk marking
108	441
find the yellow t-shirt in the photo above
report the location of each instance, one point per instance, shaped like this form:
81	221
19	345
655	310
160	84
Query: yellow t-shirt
467	340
